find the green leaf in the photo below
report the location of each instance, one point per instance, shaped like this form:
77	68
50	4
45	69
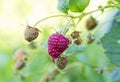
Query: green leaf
111	43
78	5
117	1
118	6
113	1
115	75
63	6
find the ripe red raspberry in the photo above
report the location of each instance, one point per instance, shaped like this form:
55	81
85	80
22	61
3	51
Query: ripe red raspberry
57	43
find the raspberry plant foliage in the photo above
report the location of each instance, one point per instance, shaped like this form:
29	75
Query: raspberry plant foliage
66	6
58	42
72	5
63	6
78	5
112	45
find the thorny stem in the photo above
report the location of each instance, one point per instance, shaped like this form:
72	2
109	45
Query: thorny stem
80	16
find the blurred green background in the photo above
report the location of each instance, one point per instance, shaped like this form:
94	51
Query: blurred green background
15	14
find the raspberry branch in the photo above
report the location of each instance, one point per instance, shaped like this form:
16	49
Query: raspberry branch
50	17
80	16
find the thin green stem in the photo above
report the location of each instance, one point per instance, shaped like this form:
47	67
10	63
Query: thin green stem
78	21
51	17
67	26
85	14
73	23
